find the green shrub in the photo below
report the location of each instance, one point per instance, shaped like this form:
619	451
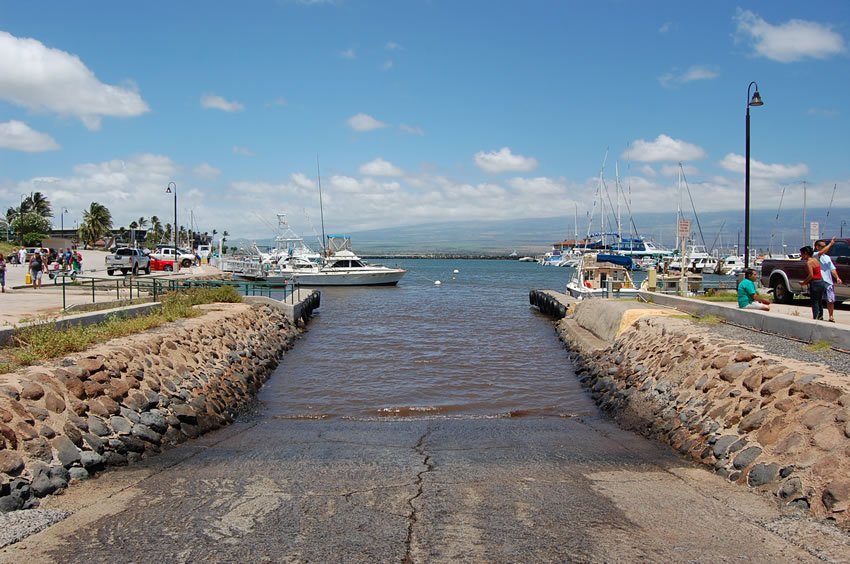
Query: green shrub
43	341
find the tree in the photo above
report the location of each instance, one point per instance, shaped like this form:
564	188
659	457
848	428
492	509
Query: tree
155	234
31	227
38	203
142	223
97	222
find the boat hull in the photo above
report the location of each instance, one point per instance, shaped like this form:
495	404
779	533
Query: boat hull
388	277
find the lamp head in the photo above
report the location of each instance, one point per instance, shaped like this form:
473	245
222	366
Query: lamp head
168	188
756	101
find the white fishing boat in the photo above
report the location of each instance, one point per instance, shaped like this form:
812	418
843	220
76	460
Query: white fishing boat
602	276
697	259
340	268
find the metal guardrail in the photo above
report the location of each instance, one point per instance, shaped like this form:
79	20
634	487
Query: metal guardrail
156	287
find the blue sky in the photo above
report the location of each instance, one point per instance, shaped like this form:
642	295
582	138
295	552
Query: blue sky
418	110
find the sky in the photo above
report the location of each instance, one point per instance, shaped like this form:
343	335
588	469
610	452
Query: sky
419	111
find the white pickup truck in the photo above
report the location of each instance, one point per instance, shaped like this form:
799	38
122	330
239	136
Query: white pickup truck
181	257
127	260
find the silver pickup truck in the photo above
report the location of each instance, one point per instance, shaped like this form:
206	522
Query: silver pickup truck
127	260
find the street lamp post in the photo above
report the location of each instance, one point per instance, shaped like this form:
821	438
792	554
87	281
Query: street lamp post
62	224
754	101
172	189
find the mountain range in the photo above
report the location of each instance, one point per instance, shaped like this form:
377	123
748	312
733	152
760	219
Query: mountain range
724	230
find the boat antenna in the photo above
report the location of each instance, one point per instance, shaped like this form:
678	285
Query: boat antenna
321	207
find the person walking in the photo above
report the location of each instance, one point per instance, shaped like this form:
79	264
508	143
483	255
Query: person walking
2	273
829	274
36	269
814	280
748	297
22	256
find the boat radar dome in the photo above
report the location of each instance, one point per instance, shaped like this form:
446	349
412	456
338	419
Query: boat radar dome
437	282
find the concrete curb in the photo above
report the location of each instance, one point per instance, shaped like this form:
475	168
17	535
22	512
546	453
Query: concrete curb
799	328
83	319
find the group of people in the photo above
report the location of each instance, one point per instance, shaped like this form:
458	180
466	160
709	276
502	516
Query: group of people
821	277
37	264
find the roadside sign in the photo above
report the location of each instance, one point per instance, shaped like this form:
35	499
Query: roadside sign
684	228
814	230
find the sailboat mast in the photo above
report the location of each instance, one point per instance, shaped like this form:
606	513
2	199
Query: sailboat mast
617	187
321	207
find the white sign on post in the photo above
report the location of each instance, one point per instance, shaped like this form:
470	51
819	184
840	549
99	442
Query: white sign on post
684	228
814	230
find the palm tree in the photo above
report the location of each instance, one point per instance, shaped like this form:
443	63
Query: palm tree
155	232
142	223
38	203
97	222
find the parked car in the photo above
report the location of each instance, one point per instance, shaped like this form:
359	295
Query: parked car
127	260
165	265
182	257
783	276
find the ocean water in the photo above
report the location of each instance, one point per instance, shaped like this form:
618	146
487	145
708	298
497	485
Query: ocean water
470	346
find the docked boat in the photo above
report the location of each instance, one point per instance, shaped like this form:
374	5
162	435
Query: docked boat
602	276
340	268
697	259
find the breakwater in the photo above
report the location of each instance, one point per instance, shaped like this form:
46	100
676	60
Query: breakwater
771	423
132	397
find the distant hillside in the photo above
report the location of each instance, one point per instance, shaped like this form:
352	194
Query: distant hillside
531	236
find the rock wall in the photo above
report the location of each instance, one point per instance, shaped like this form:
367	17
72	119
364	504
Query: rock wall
131	397
770	423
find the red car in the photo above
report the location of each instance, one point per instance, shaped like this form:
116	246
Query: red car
164	265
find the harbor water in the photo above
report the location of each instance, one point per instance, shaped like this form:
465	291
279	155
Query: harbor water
469	346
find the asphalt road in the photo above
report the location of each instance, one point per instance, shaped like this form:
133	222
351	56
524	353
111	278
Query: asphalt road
468	490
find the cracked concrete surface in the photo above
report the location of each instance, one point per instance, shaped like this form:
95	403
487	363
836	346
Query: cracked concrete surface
439	490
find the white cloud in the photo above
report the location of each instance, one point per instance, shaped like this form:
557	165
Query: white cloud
213	102
647	170
348	54
664	148
392	46
364	122
245	151
737	163
791	41
504	161
43	79
387	65
380	167
280	101
206	170
695	72
665	27
411	129
18	136
673	170
823	112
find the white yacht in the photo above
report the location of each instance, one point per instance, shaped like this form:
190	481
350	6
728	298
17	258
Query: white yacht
602	276
340	268
698	260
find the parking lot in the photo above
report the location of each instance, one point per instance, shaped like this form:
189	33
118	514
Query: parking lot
22	302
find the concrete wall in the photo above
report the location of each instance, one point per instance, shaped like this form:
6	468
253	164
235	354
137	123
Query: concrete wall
130	398
767	422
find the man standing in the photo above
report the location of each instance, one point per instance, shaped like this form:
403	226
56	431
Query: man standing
829	273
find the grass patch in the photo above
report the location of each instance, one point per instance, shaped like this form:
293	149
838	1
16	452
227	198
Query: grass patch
719	297
42	342
819	346
710	319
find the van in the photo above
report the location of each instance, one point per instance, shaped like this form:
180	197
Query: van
204	251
